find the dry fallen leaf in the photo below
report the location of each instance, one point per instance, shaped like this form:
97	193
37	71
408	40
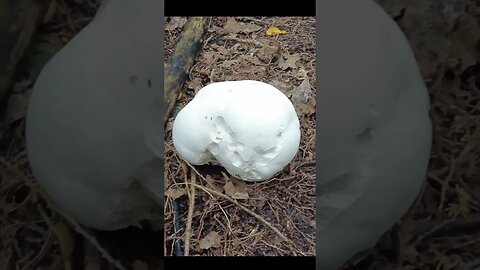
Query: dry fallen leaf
17	104
208	57
169	126
175	193
195	84
269	52
302	99
284	87
288	61
235	191
51	10
251	59
175	23
221	49
465	46
230	63
213	239
234	27
272	30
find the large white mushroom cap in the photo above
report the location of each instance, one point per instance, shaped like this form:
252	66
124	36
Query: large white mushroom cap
374	130
93	128
249	127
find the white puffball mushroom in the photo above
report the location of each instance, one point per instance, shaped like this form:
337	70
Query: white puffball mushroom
374	130
94	122
249	127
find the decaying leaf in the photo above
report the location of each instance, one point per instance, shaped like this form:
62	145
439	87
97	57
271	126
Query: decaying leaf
175	23
208	57
284	87
230	63
169	126
213	239
175	193
272	30
301	97
235	191
443	261
52	8
221	49
467	202
251	59
195	84
288	61
234	27
17	104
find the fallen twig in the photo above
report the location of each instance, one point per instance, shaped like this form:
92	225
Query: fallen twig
291	245
178	245
306	164
79	228
260	218
188	231
251	41
43	250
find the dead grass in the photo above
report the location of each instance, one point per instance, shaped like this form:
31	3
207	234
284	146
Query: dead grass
278	216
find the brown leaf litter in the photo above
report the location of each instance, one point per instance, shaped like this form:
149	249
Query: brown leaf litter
440	232
273	217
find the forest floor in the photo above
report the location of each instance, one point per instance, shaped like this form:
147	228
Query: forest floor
238	49
441	231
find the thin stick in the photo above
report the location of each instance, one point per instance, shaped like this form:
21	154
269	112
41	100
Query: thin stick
260	218
79	229
188	231
210	191
177	228
306	164
47	243
116	263
250	41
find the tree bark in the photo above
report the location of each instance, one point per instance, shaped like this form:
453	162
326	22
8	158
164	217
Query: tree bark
182	59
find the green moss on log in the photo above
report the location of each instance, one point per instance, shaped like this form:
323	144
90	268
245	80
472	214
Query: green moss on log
182	59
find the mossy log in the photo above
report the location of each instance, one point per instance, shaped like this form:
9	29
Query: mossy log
182	59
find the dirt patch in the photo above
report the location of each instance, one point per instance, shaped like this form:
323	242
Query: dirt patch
237	49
